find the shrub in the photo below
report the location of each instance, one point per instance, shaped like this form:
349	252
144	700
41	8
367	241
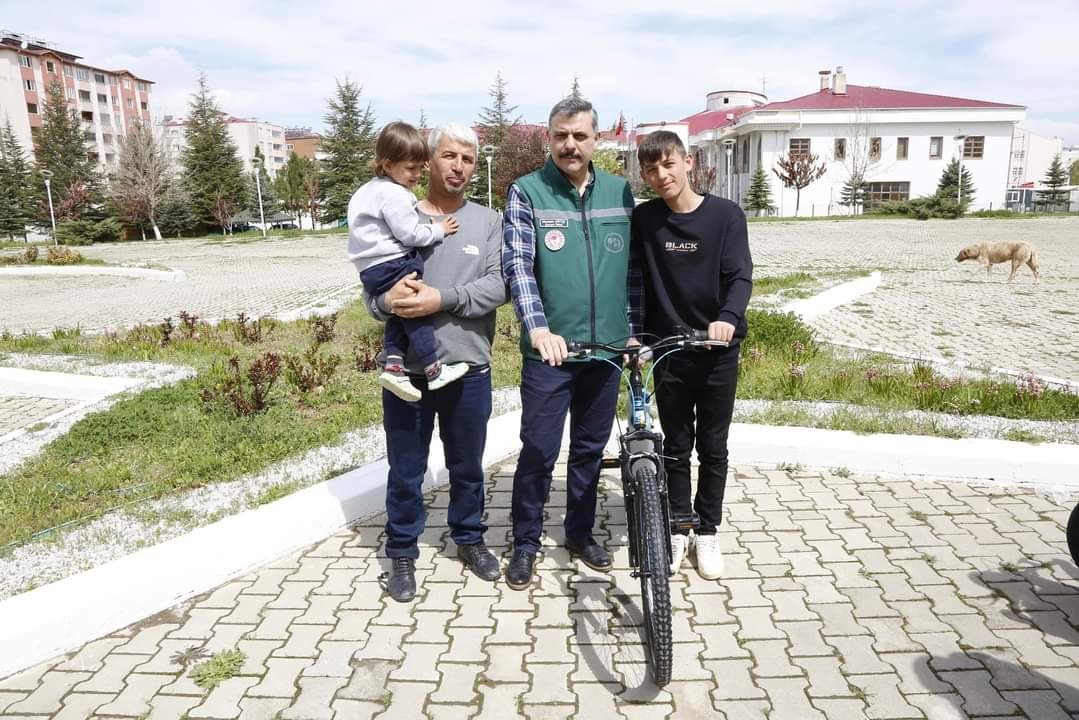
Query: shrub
86	232
310	371
242	393
29	255
323	327
250	330
780	332
62	256
366	352
996	214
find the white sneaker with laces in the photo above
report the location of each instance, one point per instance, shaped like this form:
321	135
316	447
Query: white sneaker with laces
709	556
679	547
399	385
449	373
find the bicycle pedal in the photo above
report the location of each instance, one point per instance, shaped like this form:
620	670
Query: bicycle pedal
610	462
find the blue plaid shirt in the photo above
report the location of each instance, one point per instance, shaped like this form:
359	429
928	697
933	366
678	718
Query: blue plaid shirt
519	258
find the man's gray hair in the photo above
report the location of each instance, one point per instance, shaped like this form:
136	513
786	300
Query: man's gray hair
571	106
453	131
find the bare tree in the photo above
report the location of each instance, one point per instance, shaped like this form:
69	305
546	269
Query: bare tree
857	156
797	171
143	177
312	187
224	210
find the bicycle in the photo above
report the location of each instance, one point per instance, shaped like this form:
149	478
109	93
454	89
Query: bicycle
1073	534
644	490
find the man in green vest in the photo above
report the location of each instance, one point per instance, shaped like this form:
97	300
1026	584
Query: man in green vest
565	258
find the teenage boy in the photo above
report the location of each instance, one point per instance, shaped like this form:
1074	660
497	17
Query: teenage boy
693	254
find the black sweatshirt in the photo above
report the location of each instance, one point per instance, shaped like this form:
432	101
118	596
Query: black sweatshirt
696	266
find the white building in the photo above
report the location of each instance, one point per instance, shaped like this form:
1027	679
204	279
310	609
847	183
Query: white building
904	139
246	134
106	101
1031	156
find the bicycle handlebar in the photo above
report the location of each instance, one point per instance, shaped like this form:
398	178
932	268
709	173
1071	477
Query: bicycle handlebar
696	339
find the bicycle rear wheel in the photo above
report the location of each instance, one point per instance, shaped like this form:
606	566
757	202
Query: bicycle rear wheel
654	571
1073	534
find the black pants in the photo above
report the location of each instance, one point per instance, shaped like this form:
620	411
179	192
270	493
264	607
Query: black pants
695	394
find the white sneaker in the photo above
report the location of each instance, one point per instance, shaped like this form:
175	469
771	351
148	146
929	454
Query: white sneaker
679	547
709	556
448	373
399	385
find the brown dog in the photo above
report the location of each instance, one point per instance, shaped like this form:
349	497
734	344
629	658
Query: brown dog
1018	253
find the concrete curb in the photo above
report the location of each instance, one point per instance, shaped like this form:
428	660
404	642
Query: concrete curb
163	275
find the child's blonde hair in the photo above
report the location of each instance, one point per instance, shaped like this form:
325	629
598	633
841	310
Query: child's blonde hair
399	142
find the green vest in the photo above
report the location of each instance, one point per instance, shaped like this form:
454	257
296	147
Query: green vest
582	254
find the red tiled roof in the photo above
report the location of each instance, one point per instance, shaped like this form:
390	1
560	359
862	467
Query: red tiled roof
715	119
876	98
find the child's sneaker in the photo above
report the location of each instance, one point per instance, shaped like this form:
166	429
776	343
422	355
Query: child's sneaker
447	373
394	379
679	546
709	556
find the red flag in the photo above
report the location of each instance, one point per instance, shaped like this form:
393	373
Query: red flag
619	125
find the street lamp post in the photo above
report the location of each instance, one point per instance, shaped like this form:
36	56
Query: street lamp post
256	162
47	176
961	139
488	154
728	145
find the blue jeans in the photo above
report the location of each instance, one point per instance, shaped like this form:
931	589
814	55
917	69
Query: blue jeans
588	391
400	334
463	408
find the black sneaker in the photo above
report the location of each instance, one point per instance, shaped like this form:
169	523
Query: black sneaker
401	583
519	571
591	553
480	561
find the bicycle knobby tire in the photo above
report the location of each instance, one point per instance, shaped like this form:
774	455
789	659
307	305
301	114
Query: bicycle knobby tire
654	568
1073	534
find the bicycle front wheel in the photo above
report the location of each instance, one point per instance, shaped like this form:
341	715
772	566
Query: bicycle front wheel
1073	534
654	571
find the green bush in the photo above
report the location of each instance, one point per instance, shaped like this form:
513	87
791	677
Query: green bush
996	214
921	208
86	232
779	331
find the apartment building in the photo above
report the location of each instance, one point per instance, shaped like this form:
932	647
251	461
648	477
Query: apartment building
304	142
106	101
246	134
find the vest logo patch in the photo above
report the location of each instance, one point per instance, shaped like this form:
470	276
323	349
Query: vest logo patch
554	240
554	223
614	243
685	247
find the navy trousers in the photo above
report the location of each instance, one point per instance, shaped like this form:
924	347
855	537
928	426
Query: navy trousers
399	333
462	408
589	392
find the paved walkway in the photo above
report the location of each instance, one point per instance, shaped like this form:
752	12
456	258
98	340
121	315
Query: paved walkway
844	597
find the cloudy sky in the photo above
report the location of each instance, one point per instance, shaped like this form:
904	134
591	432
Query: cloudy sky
278	61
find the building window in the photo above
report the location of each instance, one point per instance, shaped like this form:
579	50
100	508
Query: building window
106	138
98	77
50	67
116	100
105	118
798	146
874	149
901	146
89	136
103	98
113	80
26	61
288	146
84	95
936	146
29	85
130	104
87	116
879	192
142	104
31	108
68	71
82	74
973	147
127	83
841	148
70	92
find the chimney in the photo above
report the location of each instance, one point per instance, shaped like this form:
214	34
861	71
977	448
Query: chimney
824	82
839	87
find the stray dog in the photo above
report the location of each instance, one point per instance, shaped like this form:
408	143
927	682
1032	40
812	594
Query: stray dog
988	254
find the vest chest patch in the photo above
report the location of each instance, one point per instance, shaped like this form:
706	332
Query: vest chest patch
553	223
614	242
554	240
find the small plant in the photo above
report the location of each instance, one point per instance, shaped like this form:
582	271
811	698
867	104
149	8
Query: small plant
189	325
244	393
509	328
841	472
323	327
791	467
248	330
1021	435
56	255
165	330
793	383
310	371
917	515
62	333
366	352
219	668
29	255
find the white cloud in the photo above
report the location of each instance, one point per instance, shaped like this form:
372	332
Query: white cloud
277	60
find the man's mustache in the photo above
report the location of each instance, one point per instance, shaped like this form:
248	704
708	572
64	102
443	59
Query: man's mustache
568	155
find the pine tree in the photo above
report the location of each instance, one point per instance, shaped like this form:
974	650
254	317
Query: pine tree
16	194
213	173
575	88
289	187
143	177
853	194
496	120
61	148
1056	177
423	119
948	187
1075	173
349	147
174	214
759	196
